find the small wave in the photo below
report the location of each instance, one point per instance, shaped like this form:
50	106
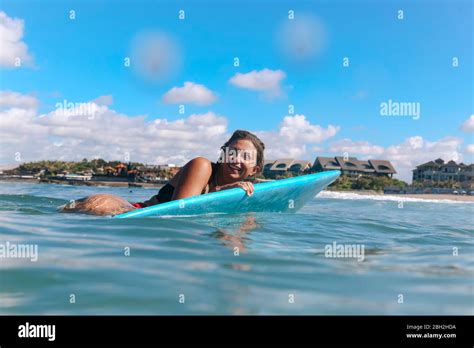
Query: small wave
29	204
30	199
384	197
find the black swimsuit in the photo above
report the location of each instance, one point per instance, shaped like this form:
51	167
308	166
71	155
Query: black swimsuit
166	192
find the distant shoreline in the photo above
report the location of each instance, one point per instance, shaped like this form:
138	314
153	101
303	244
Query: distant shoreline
425	196
84	183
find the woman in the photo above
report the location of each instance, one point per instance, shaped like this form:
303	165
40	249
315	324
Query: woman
241	157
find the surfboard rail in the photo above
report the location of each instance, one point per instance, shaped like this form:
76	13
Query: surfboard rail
268	196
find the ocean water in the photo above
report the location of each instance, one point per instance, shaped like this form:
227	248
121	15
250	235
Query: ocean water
418	259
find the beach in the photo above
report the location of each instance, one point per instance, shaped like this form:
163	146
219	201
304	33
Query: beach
421	196
440	197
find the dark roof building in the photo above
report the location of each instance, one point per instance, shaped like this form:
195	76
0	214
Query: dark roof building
367	167
271	168
351	166
282	164
382	167
327	163
299	166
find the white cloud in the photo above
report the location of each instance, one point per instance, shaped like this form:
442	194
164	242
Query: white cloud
104	100
469	149
12	46
468	125
10	99
265	80
298	128
112	135
294	135
316	149
406	155
190	93
359	147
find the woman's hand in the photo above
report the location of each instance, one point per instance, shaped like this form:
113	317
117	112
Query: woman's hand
245	185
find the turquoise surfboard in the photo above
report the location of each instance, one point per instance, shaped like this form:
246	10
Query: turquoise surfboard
286	195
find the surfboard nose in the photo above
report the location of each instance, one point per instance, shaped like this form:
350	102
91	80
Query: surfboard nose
331	176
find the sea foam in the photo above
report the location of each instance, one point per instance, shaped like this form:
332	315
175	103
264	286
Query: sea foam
382	197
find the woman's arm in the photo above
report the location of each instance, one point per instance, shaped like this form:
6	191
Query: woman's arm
193	177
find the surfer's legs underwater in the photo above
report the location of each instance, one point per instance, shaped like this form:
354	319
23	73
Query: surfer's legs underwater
100	204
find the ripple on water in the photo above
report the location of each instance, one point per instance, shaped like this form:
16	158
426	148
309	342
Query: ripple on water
407	250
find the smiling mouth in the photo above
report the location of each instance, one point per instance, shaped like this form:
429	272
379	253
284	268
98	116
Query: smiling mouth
234	168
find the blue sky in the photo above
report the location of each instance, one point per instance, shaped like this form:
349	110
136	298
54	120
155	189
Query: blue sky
408	60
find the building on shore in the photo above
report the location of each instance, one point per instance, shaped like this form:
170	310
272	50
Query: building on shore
272	168
78	177
96	170
438	171
353	167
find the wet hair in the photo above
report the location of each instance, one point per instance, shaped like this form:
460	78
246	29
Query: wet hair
245	135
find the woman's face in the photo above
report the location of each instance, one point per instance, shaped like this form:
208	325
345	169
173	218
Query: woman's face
239	160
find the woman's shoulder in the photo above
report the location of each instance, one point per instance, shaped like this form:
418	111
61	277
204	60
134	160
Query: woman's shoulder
199	164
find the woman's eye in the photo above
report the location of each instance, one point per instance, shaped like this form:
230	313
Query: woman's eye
249	156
